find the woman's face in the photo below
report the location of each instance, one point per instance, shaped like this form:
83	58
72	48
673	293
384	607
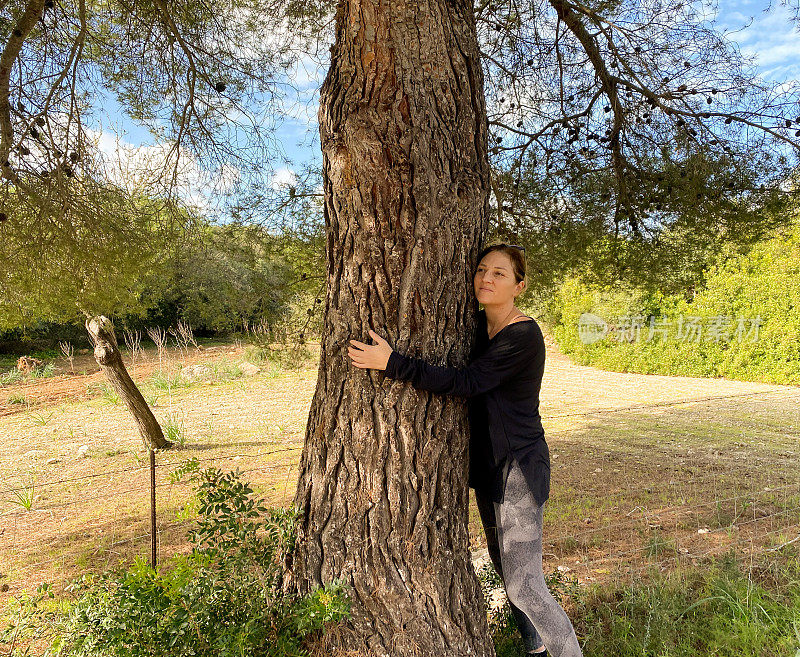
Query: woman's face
494	279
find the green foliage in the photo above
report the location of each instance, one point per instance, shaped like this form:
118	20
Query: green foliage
110	395
726	606
33	617
24	497
659	546
43	372
73	235
167	382
225	371
45	354
221	279
721	608
232	277
685	236
12	376
763	283
41	419
225	598
229	276
84	272
174	428
500	619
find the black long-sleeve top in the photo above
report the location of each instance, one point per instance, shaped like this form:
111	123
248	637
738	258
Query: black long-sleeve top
502	383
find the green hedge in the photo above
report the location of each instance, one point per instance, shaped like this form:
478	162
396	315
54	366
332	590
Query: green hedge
763	283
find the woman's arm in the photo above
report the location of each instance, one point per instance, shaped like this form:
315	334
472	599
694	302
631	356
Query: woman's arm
504	358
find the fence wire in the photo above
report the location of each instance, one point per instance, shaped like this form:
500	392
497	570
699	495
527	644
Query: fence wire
106	522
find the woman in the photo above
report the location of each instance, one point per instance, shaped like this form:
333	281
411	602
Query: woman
509	458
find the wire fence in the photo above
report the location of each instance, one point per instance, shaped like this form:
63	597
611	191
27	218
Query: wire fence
626	523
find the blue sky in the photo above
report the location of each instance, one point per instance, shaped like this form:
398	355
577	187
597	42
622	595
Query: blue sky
772	38
763	31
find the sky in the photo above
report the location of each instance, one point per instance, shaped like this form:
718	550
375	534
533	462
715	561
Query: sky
771	37
762	30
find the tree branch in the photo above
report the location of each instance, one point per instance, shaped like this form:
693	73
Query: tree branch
33	12
609	85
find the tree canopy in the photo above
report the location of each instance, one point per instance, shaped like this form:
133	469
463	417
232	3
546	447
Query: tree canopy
615	125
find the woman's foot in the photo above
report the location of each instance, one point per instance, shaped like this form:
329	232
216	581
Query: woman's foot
540	653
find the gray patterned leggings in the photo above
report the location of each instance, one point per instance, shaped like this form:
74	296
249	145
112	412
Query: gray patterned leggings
519	544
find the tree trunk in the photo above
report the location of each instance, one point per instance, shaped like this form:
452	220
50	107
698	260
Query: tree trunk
383	475
106	353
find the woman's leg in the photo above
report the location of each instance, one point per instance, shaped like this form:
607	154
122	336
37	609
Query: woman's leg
520	540
530	637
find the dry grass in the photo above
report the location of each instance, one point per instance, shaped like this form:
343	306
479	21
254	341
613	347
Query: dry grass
640	464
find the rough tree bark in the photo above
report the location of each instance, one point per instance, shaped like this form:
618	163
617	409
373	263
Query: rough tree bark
383	475
108	357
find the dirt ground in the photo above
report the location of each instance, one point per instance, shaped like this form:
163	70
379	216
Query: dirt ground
81	380
648	470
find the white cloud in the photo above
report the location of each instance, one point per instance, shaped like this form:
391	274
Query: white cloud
772	38
147	168
283	178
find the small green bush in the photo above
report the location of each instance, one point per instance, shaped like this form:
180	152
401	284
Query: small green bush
225	599
43	372
161	381
225	371
174	428
11	376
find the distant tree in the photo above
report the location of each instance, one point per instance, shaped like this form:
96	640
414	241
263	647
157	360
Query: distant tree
95	256
198	75
230	277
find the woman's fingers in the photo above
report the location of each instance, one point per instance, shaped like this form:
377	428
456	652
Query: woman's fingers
357	362
356	356
375	336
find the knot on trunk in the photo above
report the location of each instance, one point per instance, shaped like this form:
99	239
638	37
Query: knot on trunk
101	331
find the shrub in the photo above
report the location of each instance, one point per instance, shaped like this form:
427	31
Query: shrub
763	283
225	598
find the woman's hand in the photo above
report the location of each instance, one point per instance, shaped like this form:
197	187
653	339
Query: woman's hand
370	356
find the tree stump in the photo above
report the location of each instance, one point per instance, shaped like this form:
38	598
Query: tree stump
107	355
26	364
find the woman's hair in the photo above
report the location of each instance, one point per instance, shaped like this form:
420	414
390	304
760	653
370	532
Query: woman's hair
516	253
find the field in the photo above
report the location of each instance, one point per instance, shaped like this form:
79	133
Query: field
647	470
